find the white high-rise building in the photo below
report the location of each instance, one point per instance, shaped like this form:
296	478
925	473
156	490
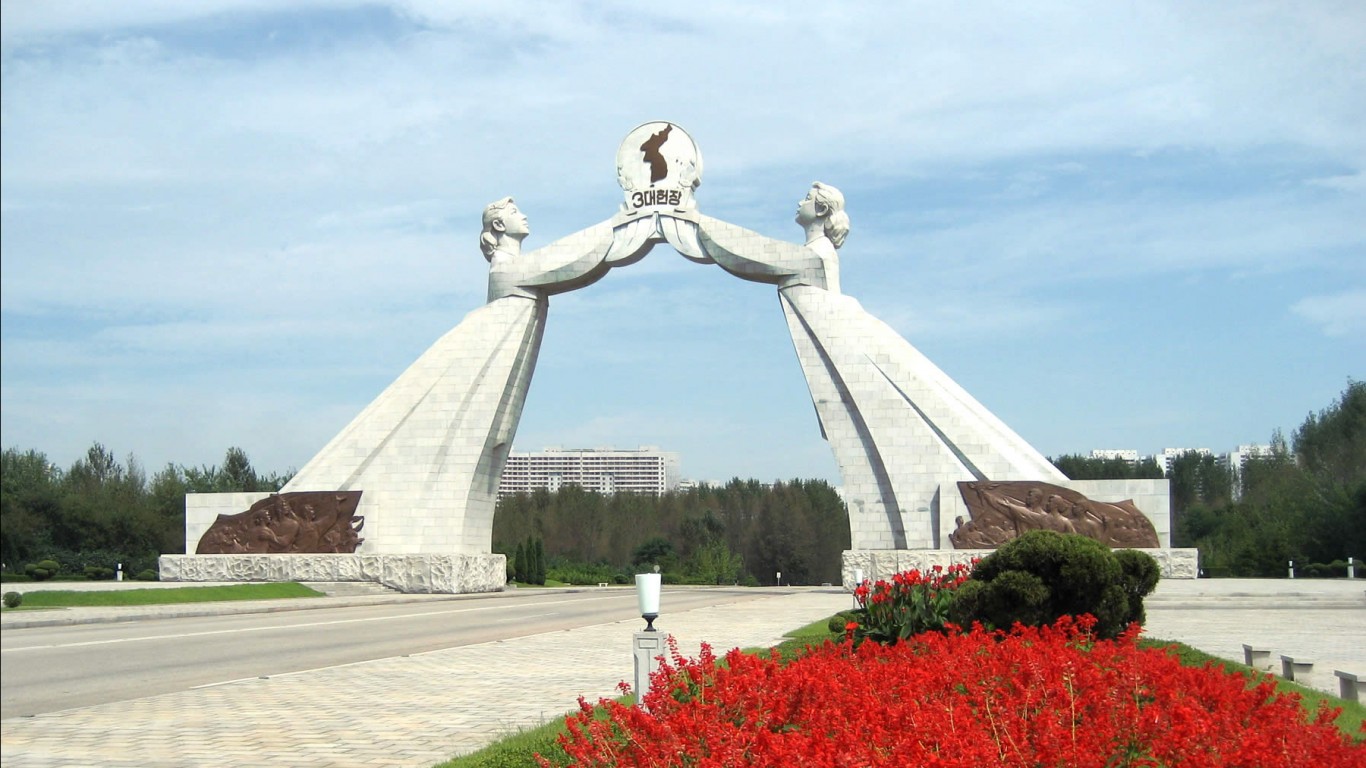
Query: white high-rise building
1165	458
604	470
1237	461
1128	454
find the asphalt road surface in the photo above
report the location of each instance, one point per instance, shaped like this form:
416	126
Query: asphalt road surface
45	669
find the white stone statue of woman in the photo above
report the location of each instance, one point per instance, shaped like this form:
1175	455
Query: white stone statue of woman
567	264
821	216
431	447
899	426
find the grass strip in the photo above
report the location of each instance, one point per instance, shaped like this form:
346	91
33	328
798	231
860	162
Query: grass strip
520	749
80	599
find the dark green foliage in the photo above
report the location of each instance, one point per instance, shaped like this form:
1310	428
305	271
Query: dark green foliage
1041	576
1140	573
13	599
798	527
1334	570
44	570
1015	596
538	576
147	575
1198	478
585	573
98	573
1305	502
100	512
519	563
654	551
1079	467
841	620
1331	445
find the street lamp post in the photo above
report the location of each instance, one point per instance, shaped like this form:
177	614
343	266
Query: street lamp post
647	645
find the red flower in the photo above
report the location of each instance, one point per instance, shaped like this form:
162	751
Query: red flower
1053	696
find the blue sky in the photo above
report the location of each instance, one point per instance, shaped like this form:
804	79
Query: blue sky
1118	225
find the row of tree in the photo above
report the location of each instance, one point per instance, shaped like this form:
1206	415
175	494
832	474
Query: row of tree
1305	502
103	512
106	513
743	531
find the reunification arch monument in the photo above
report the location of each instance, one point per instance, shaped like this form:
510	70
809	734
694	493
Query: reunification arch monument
405	494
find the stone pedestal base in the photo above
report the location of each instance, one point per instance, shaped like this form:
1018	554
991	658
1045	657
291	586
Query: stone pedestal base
646	648
421	574
882	563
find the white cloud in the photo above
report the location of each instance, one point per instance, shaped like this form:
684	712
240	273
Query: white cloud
181	177
1337	314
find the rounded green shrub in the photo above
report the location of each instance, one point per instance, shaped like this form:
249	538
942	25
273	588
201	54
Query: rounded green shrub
1140	573
147	575
13	599
44	570
841	620
1041	576
1013	596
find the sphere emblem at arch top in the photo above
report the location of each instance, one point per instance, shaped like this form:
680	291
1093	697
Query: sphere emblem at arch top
658	167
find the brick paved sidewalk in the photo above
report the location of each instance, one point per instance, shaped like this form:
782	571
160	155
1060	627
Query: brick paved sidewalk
409	711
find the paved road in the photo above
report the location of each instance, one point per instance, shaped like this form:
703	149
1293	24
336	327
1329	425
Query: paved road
53	668
412	711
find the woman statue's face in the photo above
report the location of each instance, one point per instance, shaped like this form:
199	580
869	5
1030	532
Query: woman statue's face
806	209
514	221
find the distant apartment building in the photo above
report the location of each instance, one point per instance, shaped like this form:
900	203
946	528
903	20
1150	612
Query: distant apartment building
1237	461
1168	455
603	470
1127	454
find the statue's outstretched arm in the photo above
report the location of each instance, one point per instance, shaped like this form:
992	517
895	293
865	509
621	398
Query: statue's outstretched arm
752	256
572	262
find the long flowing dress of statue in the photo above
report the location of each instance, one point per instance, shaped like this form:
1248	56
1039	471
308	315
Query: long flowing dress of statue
439	435
898	426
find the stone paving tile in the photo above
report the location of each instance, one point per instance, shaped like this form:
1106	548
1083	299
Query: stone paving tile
409	711
1332	638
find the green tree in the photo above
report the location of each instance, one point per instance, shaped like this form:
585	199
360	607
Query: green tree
30	501
1078	467
539	559
520	563
654	551
1331	445
1198	478
715	563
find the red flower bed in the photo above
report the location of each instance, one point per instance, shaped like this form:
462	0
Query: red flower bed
911	603
1051	696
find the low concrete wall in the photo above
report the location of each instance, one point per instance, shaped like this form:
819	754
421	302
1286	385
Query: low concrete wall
422	574
882	563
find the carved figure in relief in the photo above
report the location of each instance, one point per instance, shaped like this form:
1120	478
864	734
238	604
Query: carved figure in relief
1000	511
274	526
